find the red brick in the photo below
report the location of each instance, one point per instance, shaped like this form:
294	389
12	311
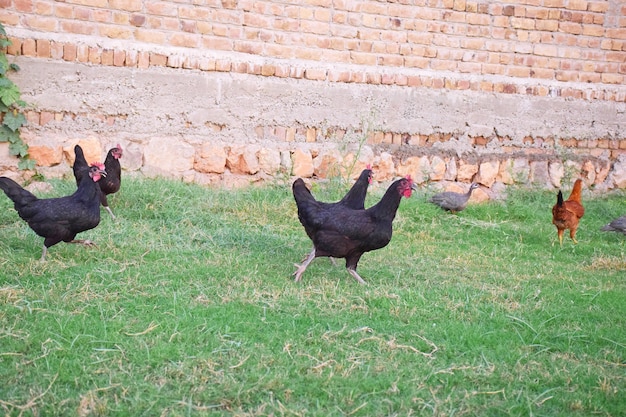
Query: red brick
158	60
64	11
161	8
81	28
45	117
130	58
315	74
69	52
185	40
94	55
25	6
29	47
43	48
45	24
150	36
127	5
56	50
143	59
119	58
121	18
15	46
282	71
103	16
107	57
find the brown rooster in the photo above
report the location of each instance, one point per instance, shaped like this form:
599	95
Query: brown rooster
567	214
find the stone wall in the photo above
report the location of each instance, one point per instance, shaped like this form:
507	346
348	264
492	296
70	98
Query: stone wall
239	91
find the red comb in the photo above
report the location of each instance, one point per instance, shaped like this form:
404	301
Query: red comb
369	166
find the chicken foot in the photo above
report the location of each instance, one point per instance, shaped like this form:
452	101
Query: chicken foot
304	265
110	212
85	242
43	254
356	276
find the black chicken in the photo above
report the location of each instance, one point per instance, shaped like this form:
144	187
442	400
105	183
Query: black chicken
80	167
342	232
618	225
59	219
111	184
354	198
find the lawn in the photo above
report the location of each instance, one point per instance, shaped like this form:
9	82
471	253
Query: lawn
187	307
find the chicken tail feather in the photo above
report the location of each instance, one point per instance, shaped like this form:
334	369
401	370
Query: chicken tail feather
16	193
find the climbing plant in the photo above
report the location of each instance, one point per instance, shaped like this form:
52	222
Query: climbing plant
11	104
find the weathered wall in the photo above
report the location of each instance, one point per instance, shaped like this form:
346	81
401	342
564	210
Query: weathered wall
240	91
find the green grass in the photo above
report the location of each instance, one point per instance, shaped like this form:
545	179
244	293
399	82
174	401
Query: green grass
187	307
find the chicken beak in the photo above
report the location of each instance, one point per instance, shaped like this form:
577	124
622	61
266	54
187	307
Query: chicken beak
103	173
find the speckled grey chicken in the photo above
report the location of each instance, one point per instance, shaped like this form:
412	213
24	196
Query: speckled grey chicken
618	225
451	201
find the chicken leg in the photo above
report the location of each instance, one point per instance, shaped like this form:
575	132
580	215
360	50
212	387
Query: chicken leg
356	276
305	264
110	212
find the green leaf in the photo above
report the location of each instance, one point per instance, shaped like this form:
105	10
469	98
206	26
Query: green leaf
9	95
18	149
7	135
14	120
4	65
26	163
14	67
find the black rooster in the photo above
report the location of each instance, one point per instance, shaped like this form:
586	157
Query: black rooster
59	219
80	167
342	232
354	198
111	184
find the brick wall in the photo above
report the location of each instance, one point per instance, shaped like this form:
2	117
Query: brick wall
477	81
571	48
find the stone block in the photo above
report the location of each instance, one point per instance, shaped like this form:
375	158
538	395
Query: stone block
619	172
168	157
487	173
269	160
520	170
285	161
92	148
589	173
384	167
210	159
556	171
466	171
328	164
7	161
302	163
437	168
242	160
539	173
602	171
46	156
418	167
451	170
